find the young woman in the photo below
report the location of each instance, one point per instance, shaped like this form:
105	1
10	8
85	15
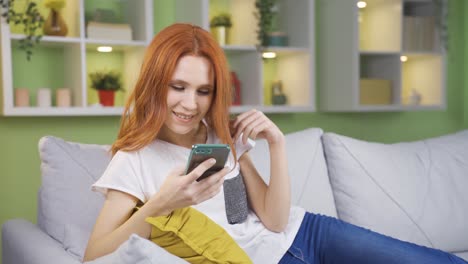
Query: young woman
182	98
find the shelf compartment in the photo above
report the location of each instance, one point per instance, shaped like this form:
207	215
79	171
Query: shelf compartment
247	65
242	16
42	74
421	27
125	60
117	13
70	14
423	73
379	26
380	68
295	72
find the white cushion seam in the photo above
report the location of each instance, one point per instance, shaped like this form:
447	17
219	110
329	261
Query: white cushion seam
387	194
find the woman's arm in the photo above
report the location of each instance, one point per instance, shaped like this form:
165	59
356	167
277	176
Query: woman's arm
116	223
271	203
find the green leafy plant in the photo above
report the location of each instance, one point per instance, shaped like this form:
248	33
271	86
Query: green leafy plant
29	18
106	80
221	20
265	15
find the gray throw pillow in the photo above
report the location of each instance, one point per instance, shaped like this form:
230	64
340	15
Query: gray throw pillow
67	208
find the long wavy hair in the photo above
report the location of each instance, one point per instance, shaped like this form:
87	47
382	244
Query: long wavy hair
146	108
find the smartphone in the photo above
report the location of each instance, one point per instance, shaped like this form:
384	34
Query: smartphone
202	152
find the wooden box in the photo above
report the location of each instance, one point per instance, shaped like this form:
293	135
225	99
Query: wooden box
375	92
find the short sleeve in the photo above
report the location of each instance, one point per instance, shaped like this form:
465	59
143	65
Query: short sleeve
241	148
121	174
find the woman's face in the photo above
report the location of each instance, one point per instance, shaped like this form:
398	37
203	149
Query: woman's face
190	94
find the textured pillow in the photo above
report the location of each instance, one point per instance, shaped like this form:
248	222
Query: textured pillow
138	250
191	235
310	186
413	191
67	208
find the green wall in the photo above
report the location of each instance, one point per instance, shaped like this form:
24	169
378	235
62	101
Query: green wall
19	161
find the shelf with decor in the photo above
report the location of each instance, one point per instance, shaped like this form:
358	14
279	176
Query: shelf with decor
294	51
381	55
60	66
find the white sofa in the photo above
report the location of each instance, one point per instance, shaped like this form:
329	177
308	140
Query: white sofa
414	191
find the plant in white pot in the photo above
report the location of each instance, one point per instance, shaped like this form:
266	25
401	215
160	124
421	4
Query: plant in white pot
106	83
220	25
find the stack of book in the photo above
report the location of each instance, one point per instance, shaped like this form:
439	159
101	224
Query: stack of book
98	30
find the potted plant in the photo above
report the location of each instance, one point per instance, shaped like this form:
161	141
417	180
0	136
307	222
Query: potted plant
268	33
264	14
106	83
220	25
29	18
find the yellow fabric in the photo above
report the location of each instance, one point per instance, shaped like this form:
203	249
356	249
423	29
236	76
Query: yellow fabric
194	237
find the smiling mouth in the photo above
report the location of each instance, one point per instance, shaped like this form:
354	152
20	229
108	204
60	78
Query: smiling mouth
184	117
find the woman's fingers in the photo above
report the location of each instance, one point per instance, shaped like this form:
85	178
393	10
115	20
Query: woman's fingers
244	120
211	186
252	129
199	170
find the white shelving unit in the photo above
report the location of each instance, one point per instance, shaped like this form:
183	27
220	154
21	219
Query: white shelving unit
370	45
73	57
77	56
294	64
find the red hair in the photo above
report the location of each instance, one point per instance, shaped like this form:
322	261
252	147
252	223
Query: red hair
146	108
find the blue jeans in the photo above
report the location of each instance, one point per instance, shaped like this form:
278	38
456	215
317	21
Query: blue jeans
323	239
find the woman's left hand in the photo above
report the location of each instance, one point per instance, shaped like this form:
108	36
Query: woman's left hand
254	124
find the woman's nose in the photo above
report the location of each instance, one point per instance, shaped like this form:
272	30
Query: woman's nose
189	101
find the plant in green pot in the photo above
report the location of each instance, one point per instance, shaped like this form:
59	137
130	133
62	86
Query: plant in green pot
220	25
106	83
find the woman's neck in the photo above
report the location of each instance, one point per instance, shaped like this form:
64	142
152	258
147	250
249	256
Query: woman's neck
196	136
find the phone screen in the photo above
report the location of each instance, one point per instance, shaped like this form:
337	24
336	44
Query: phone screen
202	152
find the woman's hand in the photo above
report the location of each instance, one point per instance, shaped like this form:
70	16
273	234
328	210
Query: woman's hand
254	124
179	190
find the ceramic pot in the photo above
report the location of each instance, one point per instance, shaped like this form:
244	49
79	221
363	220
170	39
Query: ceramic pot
55	24
221	34
106	97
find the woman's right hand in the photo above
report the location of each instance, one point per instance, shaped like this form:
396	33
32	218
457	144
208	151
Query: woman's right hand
179	190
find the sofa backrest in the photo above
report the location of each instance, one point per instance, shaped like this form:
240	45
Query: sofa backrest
67	208
414	191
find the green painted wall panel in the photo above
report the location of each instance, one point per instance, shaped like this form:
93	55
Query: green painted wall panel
19	161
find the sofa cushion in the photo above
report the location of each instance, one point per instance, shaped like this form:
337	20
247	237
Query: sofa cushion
67	208
310	186
193	236
413	191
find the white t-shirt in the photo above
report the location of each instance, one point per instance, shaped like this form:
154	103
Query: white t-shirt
141	174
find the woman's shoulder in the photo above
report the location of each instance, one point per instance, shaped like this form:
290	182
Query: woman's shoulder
131	154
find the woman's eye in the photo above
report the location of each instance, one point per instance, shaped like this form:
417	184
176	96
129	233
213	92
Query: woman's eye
177	88
204	92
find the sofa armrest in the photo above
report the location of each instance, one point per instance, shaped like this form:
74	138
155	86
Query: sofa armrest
24	243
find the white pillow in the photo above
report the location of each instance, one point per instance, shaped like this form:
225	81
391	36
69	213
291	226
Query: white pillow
137	250
413	191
